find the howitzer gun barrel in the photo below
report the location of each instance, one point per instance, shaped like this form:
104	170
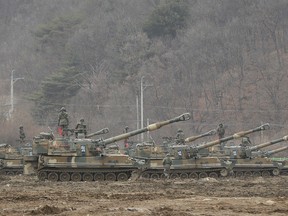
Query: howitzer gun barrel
193	138
151	127
253	148
234	136
269	153
102	131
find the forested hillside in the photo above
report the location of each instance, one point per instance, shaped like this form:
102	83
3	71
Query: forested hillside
221	60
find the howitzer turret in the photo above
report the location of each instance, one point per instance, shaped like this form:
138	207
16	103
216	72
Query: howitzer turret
246	152
194	149
193	138
102	131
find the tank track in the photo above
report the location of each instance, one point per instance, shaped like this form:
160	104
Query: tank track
73	174
212	173
11	172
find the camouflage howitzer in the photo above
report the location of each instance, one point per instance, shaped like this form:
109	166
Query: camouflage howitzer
188	163
11	160
40	145
195	149
87	160
251	151
149	151
249	161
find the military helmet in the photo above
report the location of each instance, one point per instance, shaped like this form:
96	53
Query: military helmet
21	126
82	120
62	109
220	124
168	155
179	130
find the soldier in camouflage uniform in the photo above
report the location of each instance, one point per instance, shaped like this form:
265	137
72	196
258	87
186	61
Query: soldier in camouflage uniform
80	128
63	121
180	137
167	162
22	135
220	131
245	142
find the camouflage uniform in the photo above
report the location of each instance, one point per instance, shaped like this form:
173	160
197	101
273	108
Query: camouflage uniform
80	128
180	137
22	135
63	121
245	142
167	162
220	131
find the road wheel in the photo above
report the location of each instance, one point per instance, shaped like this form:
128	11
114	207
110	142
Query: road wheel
266	173
276	172
76	177
87	177
193	175
53	176
203	175
19	172
256	173
110	177
174	176
184	176
122	177
145	175
42	175
239	174
64	177
10	173
154	176
98	177
248	174
213	175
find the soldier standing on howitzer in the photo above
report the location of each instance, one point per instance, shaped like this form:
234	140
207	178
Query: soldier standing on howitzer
63	122
221	131
167	162
245	142
22	135
180	137
80	128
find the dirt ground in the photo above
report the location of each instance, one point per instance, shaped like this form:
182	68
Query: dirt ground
25	195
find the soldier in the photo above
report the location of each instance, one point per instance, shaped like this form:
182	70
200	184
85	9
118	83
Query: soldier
180	137
167	162
220	131
245	141
80	128
63	122
22	135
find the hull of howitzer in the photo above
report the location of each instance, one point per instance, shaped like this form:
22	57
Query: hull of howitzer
115	167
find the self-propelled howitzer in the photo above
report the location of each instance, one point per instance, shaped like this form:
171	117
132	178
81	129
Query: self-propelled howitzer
188	163
87	160
194	149
247	161
151	151
247	152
